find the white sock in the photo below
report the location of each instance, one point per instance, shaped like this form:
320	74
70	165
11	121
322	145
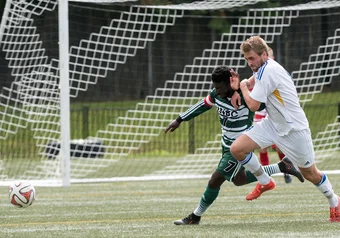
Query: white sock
251	163
326	189
272	169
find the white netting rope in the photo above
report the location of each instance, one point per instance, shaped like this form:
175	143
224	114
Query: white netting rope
35	92
208	5
326	141
34	95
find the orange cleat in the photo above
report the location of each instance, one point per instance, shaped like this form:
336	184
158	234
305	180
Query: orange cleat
259	189
335	212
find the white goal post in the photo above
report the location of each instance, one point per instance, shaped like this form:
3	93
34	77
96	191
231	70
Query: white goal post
64	87
45	90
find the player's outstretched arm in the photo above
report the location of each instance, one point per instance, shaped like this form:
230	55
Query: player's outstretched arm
194	111
172	126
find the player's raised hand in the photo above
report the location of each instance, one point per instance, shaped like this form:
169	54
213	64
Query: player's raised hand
234	80
172	126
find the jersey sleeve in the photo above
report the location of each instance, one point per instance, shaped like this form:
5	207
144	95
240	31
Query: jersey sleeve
200	107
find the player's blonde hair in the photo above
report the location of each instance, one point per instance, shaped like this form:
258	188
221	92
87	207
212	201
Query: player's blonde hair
255	43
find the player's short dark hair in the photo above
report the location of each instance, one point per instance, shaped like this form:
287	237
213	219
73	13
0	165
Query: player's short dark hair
220	74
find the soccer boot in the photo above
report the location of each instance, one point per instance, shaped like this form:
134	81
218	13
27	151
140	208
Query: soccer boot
259	189
335	212
288	178
192	219
286	166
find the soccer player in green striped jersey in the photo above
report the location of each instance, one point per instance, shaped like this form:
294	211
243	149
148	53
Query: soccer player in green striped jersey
233	123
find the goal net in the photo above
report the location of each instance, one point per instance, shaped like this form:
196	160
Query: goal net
133	68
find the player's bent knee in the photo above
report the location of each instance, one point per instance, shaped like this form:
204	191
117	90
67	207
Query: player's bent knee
234	149
237	152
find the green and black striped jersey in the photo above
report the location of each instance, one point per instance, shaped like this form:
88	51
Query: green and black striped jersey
233	122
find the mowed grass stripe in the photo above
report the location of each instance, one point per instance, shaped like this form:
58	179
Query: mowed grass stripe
148	209
206	217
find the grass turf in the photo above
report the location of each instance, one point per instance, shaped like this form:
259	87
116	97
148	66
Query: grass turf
148	209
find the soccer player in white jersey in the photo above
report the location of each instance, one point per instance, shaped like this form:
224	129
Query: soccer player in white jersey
263	152
286	125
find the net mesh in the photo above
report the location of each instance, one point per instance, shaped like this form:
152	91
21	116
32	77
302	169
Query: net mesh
33	102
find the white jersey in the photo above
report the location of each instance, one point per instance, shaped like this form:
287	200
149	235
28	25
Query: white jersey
275	87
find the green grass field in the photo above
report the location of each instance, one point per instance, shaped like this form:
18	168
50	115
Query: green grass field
148	209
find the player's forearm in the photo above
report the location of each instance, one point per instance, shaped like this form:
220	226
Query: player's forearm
251	82
251	103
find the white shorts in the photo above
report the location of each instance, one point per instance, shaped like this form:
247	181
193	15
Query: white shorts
297	145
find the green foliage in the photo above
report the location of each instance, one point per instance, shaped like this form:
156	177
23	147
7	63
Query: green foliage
220	25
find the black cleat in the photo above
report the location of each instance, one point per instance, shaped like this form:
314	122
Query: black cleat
192	219
286	166
288	178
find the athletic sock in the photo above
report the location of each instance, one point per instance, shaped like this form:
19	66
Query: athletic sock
269	169
272	169
252	164
326	189
264	159
208	197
